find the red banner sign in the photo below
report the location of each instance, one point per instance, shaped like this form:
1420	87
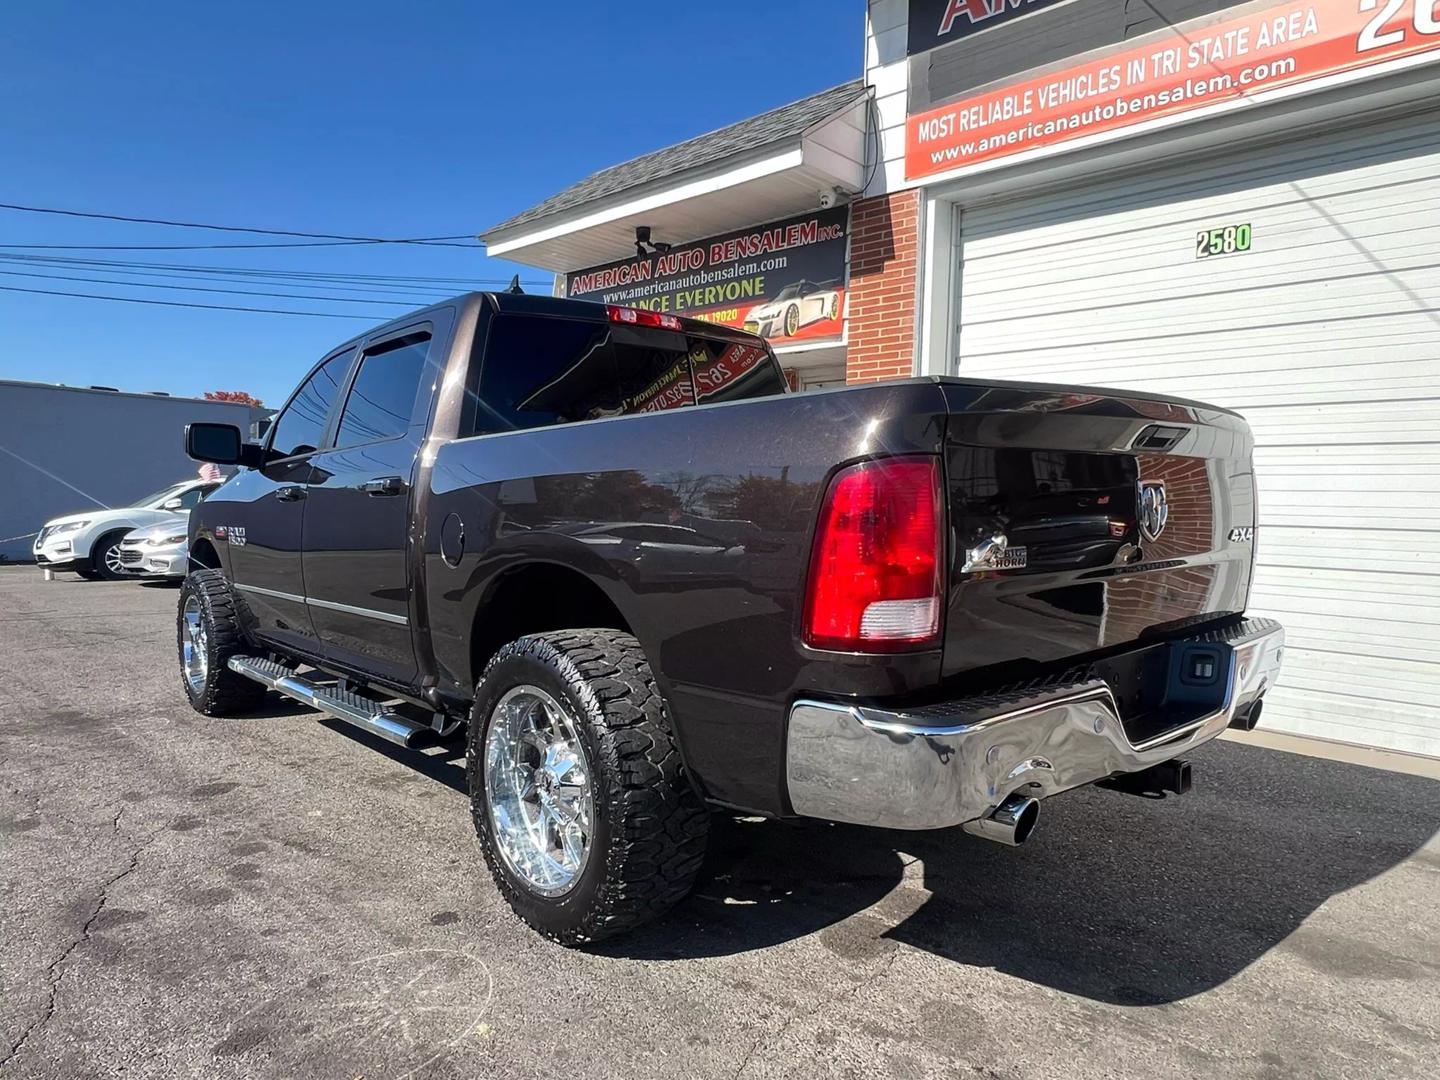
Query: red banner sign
1177	70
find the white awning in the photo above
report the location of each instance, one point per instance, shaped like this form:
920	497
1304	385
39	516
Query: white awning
778	180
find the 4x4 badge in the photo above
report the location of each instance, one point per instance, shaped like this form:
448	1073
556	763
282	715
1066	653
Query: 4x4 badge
1152	508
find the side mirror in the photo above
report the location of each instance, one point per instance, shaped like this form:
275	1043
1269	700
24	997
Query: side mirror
171	504
220	443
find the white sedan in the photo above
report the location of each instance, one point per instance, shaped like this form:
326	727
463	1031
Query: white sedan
89	543
158	552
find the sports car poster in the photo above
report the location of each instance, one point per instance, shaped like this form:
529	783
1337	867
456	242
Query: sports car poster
784	280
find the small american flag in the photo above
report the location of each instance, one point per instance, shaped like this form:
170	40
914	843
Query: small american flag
210	471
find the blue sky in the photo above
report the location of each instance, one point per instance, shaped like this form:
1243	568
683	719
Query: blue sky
364	118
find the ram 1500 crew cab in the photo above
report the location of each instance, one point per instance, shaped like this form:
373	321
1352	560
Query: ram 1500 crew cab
650	582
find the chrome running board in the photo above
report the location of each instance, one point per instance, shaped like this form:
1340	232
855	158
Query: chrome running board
329	698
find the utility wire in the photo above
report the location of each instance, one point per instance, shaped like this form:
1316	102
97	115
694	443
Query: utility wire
235	269
234	292
229	247
127	264
342	286
178	304
235	228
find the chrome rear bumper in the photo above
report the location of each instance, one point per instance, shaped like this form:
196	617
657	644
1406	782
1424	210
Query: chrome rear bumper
945	765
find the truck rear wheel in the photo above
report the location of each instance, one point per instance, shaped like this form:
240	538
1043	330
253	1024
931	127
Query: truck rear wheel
207	635
585	817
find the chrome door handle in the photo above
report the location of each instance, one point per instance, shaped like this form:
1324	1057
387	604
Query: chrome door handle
383	485
290	493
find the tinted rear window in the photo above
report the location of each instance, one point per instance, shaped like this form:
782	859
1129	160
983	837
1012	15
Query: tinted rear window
539	371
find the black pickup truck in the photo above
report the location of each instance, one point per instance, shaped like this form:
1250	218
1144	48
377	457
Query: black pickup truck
652	582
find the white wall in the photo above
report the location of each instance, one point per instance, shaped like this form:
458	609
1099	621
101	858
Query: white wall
66	450
886	26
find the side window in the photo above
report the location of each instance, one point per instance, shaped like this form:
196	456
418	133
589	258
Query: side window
542	371
539	372
382	397
299	429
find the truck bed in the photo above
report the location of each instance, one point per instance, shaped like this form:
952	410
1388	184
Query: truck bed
698	522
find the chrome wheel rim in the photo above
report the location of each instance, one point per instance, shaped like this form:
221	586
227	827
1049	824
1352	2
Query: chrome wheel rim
537	790
112	560
194	645
792	320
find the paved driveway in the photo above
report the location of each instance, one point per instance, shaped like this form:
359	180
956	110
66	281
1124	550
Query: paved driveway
282	897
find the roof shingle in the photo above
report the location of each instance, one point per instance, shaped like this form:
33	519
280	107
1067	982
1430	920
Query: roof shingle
774	126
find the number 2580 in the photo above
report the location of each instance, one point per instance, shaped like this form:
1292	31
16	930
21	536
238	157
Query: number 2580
1227	241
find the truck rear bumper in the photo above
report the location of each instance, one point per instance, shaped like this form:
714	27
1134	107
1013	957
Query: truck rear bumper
944	765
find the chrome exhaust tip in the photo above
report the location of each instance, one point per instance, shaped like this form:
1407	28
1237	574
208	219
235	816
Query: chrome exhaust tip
1010	823
1248	719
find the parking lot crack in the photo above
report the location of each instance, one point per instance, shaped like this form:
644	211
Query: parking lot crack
55	970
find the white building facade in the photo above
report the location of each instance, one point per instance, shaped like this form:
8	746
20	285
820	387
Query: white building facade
1239	204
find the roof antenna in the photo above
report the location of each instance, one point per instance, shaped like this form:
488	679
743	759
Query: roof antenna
515	285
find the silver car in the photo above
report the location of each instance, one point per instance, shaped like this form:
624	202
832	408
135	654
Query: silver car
157	552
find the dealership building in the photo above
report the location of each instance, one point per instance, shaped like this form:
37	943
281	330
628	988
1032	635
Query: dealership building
1235	203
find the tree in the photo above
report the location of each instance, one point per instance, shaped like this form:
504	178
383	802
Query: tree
239	396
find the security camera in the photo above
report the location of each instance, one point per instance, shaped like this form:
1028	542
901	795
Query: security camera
831	196
645	246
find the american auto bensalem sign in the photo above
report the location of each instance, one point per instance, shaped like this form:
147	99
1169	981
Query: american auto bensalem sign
782	280
1238	53
938	22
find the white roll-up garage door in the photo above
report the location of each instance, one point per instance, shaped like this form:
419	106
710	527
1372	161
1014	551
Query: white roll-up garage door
1325	334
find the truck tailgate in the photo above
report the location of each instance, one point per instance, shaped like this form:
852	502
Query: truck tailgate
1085	519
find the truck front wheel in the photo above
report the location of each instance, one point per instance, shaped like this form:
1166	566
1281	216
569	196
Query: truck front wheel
208	634
585	817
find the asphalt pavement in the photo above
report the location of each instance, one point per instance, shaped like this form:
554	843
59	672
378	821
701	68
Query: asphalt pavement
281	896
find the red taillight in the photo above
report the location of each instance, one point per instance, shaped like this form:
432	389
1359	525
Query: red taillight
642	317
875	581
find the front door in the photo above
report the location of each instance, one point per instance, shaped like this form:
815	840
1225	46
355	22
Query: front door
358	513
264	531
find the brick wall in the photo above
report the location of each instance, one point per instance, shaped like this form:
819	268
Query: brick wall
884	241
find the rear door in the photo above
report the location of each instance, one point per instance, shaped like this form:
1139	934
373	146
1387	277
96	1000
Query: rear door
357	521
264	510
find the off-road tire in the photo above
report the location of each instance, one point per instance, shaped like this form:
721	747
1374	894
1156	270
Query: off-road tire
650	825
224	693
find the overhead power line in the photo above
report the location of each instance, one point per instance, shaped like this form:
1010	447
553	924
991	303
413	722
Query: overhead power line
233	292
435	240
178	304
243	271
288	283
228	247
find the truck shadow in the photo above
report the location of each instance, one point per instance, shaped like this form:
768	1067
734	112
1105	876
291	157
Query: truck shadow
1117	899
